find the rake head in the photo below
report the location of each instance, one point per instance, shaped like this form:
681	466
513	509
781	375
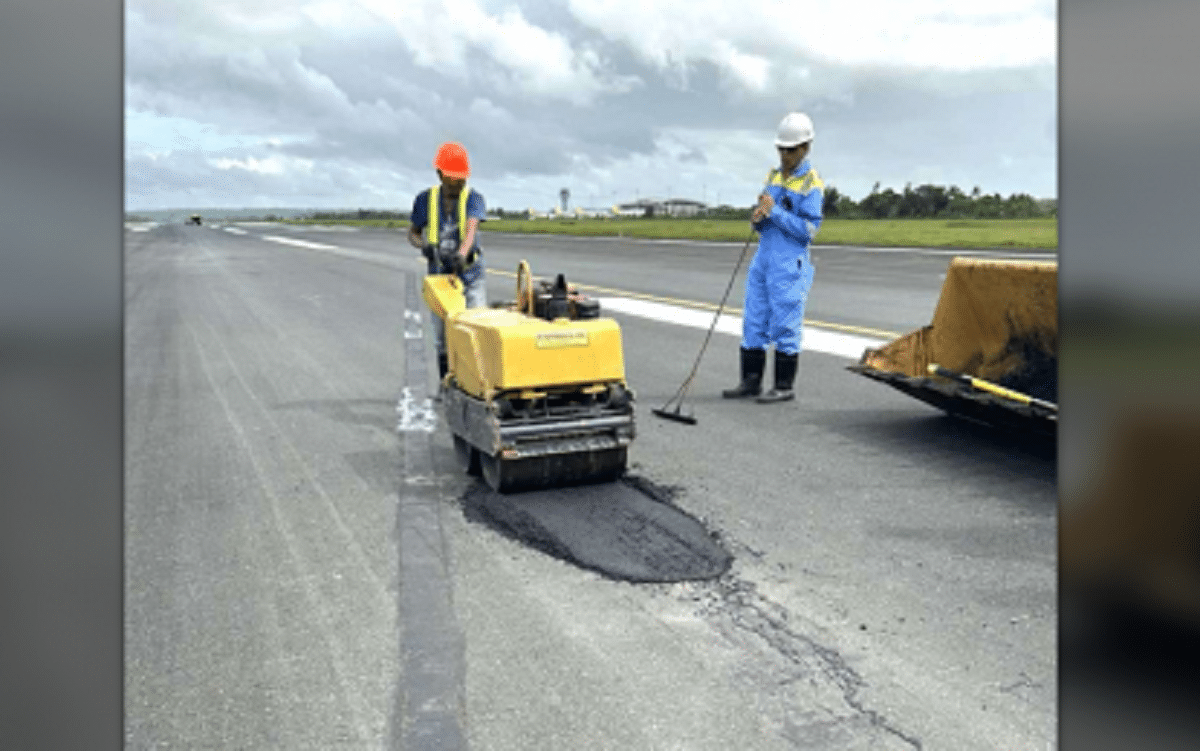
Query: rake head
674	415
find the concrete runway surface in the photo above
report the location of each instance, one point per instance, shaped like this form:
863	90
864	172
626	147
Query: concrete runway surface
308	567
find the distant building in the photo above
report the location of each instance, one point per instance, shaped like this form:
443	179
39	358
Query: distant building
637	208
683	207
661	207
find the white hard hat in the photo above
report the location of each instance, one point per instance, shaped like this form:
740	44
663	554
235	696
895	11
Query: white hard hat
794	130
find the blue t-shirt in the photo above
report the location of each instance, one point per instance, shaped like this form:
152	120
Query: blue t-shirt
448	222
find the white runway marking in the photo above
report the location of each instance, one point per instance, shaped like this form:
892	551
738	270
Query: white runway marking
235	231
813	340
299	243
412	325
330	228
415	417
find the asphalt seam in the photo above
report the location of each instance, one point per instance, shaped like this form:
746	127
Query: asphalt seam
430	710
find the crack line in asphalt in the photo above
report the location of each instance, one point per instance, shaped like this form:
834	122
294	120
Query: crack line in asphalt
750	612
430	707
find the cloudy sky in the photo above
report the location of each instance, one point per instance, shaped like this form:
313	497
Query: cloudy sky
342	103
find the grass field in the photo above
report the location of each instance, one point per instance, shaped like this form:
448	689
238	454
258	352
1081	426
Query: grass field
920	233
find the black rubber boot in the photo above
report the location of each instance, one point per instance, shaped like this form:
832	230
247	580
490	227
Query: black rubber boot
753	363
785	376
443	366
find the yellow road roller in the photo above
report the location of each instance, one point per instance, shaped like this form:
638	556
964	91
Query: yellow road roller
535	393
990	353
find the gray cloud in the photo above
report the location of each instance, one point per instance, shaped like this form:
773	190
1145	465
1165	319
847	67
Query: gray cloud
344	102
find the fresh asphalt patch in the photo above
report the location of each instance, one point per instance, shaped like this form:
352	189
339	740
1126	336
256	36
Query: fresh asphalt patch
626	530
630	530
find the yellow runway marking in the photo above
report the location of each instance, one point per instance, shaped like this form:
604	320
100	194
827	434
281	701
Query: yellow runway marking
697	305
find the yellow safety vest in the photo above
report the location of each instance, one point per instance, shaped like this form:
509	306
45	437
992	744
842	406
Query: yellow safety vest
797	183
432	230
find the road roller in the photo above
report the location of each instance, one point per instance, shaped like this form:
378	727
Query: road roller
534	394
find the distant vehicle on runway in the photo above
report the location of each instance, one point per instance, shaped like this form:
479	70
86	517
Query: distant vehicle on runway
194	219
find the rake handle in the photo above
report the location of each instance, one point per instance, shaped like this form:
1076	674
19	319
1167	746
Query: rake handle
716	317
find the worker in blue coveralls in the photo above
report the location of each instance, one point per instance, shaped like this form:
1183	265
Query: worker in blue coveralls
445	227
787	217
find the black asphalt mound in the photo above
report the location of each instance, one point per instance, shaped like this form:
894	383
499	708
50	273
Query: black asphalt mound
623	530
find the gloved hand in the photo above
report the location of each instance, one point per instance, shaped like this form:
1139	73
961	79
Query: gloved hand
427	251
458	264
765	204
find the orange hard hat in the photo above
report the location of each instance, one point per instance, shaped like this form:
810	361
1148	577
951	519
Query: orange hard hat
451	159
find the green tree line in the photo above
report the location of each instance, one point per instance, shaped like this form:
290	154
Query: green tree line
924	201
359	214
935	202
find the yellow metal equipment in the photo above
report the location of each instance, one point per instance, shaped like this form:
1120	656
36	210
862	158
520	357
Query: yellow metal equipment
535	391
991	351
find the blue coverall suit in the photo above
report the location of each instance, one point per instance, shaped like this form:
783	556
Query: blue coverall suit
781	273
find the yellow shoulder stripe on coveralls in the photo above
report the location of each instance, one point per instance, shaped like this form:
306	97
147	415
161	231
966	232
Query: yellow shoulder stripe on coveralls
799	183
432	230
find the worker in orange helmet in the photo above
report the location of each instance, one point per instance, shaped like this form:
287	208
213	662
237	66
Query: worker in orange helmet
445	227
